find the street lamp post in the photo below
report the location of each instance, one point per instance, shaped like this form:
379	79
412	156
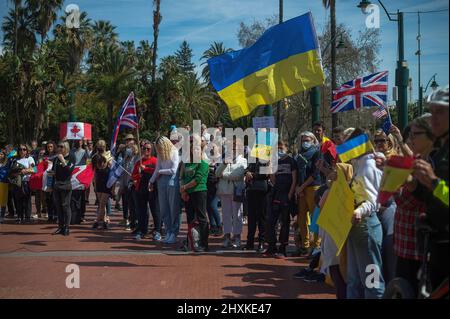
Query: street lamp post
433	85
402	71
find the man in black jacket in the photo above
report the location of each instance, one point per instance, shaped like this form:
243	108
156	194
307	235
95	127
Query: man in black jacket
433	188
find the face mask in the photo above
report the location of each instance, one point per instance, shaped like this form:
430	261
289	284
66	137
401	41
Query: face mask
281	153
306	145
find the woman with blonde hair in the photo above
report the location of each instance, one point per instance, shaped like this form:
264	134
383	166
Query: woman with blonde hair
387	145
168	187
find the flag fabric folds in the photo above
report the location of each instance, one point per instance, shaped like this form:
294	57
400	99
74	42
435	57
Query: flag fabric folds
380	113
127	118
354	148
395	173
81	178
366	91
285	60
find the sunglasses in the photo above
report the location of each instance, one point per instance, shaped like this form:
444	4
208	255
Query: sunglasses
147	148
380	141
60	146
22	149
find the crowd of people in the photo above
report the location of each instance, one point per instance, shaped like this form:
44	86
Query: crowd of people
155	180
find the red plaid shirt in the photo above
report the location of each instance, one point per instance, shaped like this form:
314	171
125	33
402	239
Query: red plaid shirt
406	216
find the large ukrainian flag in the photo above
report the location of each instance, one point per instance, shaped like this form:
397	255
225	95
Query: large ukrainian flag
284	61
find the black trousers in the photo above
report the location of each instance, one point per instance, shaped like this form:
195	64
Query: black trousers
22	201
127	204
256	215
408	269
278	212
77	206
11	207
196	210
143	200
50	205
61	199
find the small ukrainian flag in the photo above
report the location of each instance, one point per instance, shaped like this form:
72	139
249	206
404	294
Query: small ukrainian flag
354	148
283	62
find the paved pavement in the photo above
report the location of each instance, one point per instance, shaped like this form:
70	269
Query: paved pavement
113	265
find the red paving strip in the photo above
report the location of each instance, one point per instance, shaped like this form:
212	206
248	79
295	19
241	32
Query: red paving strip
113	265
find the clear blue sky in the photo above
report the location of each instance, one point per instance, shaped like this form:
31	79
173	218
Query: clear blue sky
201	22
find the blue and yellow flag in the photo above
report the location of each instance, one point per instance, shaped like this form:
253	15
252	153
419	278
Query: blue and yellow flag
284	61
354	148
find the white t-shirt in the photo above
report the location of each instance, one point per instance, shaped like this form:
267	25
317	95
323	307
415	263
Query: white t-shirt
27	162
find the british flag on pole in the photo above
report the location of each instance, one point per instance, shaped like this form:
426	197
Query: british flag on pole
127	118
366	91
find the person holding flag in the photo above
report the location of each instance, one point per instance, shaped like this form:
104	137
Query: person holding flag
365	238
4	171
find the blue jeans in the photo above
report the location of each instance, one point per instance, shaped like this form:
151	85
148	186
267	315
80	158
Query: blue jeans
364	260
213	211
387	250
169	203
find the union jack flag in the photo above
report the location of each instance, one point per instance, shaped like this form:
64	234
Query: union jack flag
367	91
127	118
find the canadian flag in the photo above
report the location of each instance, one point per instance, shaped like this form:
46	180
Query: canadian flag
75	131
82	177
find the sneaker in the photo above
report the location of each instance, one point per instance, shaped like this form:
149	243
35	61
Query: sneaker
270	251
118	207
18	220
172	239
249	246
304	273
315	277
138	237
281	252
1	220
166	238
34	216
105	226
245	220
237	242
157	236
127	228
95	225
226	241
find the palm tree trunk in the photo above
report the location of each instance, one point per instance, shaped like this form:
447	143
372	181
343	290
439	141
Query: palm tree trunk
110	118
153	97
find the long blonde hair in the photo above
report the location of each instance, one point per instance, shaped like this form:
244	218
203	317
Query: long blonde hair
164	148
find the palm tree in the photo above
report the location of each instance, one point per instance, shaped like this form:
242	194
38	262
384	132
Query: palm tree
44	15
18	31
197	99
73	43
111	79
156	22
103	33
215	49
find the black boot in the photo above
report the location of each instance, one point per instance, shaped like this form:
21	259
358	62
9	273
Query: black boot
260	247
59	231
66	231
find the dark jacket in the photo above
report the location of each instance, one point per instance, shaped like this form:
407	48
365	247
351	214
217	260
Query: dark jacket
63	174
437	212
306	163
259	182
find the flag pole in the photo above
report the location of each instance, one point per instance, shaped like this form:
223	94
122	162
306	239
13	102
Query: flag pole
137	134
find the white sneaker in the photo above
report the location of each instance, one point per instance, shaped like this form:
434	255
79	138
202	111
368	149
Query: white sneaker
35	216
237	242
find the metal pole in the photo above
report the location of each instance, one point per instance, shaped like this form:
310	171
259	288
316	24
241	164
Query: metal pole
279	104
401	77
314	98
334	116
419	53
